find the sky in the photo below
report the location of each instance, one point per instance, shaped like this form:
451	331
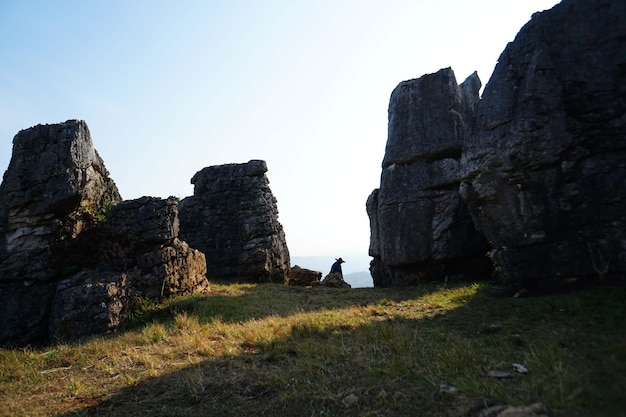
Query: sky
170	87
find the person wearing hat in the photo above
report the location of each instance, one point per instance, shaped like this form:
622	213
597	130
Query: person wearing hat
336	267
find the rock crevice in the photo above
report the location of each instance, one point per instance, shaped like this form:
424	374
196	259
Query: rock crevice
542	168
420	227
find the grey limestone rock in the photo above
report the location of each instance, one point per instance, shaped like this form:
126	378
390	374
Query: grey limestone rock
544	169
147	219
135	253
88	303
54	189
420	227
70	263
233	218
142	236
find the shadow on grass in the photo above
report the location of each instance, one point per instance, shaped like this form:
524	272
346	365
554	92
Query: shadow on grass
393	365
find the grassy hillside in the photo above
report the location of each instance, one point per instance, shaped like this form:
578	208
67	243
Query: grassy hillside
271	350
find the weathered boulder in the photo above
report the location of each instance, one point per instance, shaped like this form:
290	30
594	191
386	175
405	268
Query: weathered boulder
420	227
72	263
56	186
137	254
89	302
335	280
303	277
544	169
146	219
142	236
233	218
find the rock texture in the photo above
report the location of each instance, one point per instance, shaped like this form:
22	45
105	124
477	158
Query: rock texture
232	217
420	227
335	280
545	166
142	236
65	271
303	277
54	188
135	253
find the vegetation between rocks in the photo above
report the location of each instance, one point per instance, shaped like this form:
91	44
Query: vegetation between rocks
276	350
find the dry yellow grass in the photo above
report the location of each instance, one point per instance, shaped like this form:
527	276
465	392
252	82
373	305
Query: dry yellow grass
274	350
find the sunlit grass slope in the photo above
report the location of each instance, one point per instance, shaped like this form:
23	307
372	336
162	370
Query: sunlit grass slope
271	350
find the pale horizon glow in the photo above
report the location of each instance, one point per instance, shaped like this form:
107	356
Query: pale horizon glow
168	88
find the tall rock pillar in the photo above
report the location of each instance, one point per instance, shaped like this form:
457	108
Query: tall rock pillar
55	187
420	227
233	218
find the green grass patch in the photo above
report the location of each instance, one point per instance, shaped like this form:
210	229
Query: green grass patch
282	351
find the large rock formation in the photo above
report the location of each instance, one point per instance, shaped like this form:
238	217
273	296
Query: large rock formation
545	167
420	227
54	188
135	253
63	272
141	238
232	217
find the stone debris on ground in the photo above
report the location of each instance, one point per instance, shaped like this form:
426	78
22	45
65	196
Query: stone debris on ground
335	280
303	277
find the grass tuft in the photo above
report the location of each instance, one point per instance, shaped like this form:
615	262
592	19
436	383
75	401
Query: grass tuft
274	350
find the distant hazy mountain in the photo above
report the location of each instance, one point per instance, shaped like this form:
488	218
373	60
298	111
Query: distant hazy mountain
355	270
359	279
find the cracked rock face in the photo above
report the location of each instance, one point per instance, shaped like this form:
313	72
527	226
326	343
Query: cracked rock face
73	256
544	170
233	218
136	253
420	227
54	187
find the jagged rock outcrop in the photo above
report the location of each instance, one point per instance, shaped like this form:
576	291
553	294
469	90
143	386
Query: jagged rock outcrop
545	166
135	253
65	271
142	236
233	218
54	188
303	277
420	227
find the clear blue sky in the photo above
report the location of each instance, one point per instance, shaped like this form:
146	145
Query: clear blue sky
170	87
